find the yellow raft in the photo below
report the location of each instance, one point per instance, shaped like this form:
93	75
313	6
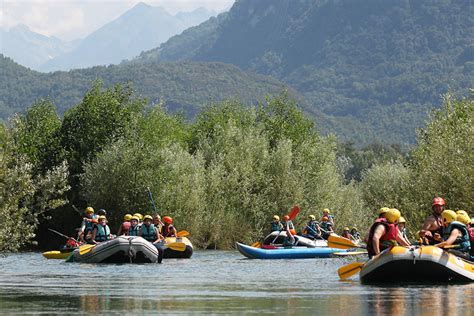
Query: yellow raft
56	254
170	253
423	264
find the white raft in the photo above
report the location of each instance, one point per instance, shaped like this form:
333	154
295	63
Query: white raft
123	249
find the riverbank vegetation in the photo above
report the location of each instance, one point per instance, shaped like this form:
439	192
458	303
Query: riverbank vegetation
222	176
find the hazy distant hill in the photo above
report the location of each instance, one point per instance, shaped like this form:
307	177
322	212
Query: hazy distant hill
182	86
29	48
377	67
141	28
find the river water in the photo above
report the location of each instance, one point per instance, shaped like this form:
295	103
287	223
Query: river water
213	282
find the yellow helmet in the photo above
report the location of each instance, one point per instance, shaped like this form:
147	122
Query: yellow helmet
312	217
102	217
346	228
401	220
276	217
392	215
140	216
134	218
89	210
127	217
326	210
383	210
448	216
147	217
461	212
463	218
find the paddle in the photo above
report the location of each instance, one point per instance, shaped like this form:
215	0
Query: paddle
182	233
150	196
339	242
293	212
256	244
62	235
350	253
177	246
85	249
349	270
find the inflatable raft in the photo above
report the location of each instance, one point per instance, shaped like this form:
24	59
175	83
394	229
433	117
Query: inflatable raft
170	253
424	264
277	238
123	249
285	253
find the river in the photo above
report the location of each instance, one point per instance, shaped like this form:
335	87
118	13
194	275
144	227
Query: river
213	282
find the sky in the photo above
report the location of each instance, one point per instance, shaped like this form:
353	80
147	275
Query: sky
72	19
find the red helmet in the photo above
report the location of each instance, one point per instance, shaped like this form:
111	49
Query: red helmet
438	201
286	218
168	220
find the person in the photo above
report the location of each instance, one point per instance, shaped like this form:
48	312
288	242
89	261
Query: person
87	225
276	225
355	233
326	227
102	212
347	234
384	234
134	227
157	222
433	224
168	229
123	229
101	231
382	211
327	213
148	231
290	231
463	217
312	230
140	218
454	233
402	228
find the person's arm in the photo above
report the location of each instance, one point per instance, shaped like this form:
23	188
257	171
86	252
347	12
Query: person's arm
119	233
379	232
159	237
401	240
455	233
427	225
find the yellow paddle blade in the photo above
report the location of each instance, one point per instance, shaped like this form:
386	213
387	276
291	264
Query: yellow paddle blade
349	270
339	242
182	233
256	244
85	249
178	246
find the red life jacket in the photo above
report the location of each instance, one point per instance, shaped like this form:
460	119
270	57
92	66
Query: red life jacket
167	231
391	233
471	234
125	228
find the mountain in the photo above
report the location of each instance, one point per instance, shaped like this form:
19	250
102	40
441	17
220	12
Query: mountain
29	48
141	28
183	86
375	68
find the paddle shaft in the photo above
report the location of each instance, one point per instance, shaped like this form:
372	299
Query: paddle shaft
150	195
60	234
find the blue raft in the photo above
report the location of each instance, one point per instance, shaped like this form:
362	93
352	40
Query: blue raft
286	253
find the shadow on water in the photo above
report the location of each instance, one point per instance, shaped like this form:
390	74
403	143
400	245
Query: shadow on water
213	282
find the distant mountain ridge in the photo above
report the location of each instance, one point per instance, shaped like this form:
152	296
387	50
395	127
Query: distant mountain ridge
30	48
376	67
141	28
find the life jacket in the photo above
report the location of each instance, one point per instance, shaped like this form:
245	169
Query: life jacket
167	231
471	234
133	230
125	228
149	233
103	233
276	226
463	241
387	240
311	228
89	226
326	226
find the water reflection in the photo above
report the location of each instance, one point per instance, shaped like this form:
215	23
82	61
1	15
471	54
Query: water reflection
213	282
